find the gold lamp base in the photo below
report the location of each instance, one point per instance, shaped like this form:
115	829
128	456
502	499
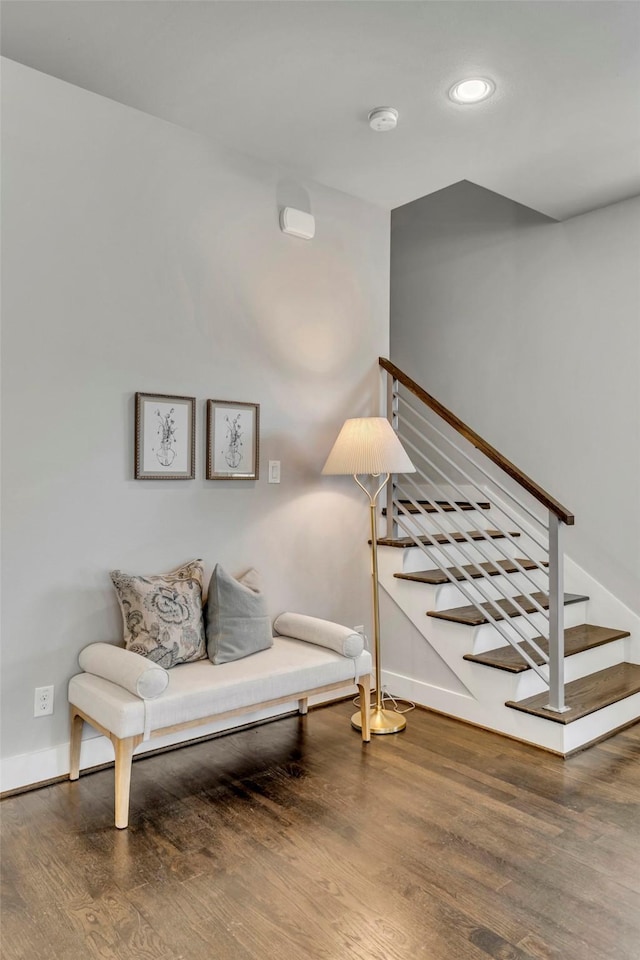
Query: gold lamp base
382	721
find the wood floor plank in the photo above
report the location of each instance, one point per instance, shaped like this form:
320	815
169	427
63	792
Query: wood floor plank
112	928
295	840
184	923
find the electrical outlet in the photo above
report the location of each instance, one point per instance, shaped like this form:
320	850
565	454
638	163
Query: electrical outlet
43	701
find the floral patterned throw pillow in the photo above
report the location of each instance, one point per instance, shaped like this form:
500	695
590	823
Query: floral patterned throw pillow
163	614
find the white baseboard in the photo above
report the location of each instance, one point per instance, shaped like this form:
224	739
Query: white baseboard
29	769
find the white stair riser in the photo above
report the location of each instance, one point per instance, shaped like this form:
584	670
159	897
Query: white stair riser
578	665
575	667
450	594
436	523
492	715
600	723
486	637
417	598
478	710
433	523
533	625
452	555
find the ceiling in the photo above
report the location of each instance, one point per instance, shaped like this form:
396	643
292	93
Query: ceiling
293	82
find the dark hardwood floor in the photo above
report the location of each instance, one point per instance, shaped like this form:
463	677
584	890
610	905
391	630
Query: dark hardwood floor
292	840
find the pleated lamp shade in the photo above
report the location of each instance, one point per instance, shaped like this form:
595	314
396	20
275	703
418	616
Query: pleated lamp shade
367	445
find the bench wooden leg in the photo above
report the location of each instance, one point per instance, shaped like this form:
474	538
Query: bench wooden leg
75	743
364	688
303	707
124	756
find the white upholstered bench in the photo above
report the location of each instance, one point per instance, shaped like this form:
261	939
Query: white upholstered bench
117	693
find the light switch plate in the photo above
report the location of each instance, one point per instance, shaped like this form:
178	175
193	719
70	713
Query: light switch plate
274	471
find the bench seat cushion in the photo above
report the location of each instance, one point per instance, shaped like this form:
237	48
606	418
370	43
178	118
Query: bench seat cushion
201	689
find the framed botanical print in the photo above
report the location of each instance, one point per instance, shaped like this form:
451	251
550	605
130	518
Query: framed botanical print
233	434
165	437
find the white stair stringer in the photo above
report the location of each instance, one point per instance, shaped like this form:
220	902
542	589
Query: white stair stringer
489	688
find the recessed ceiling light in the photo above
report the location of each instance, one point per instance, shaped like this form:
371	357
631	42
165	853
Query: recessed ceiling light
472	90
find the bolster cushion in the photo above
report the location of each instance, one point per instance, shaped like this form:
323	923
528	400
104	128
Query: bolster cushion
324	633
129	670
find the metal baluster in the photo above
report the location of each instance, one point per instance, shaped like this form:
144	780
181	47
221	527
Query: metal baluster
475	462
496	624
477	585
392	417
556	617
505	533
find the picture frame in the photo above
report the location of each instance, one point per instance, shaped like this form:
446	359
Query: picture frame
233	440
165	437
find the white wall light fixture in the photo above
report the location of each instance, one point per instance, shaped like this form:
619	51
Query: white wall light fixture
297	223
472	90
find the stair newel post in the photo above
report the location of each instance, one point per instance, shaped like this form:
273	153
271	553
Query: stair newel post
392	417
556	616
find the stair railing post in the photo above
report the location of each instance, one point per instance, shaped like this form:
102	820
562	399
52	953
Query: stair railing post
556	616
392	417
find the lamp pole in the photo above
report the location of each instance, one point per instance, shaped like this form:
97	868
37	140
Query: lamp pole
382	721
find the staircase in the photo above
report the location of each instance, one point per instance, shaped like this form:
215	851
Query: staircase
473	557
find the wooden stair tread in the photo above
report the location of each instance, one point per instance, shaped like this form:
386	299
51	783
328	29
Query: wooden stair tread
471	616
429	506
490	569
576	639
586	695
441	538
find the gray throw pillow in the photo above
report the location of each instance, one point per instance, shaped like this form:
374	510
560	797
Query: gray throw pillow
237	623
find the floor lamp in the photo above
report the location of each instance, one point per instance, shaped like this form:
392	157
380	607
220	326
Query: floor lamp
368	446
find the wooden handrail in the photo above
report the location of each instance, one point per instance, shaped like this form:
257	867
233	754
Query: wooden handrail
490	452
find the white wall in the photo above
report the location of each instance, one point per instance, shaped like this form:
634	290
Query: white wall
529	330
138	257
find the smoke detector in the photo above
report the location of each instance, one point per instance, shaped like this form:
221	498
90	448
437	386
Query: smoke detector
383	118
